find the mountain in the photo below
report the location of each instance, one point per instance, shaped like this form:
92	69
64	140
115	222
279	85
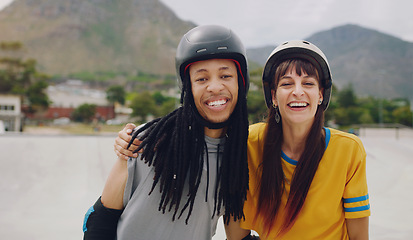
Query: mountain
259	55
67	36
72	36
374	63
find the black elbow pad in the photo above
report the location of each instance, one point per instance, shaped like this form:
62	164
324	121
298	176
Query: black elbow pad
100	223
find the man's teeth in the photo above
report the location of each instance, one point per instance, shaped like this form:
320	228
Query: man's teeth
217	103
298	104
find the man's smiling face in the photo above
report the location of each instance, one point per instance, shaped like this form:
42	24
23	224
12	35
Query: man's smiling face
215	88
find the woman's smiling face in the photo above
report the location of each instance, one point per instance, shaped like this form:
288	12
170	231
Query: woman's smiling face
297	97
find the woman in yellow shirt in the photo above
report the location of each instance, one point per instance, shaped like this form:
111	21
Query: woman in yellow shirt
306	181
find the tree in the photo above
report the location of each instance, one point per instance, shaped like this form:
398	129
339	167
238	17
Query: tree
256	106
163	104
159	98
347	97
36	96
143	105
116	93
403	115
167	106
84	113
21	77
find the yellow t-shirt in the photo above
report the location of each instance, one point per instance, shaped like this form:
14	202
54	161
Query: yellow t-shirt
338	191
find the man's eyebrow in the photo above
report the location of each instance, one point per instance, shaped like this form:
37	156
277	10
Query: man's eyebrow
205	70
201	70
224	68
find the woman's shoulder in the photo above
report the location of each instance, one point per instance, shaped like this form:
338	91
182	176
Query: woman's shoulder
256	131
341	136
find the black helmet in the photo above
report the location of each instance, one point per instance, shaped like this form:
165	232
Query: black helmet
298	49
208	42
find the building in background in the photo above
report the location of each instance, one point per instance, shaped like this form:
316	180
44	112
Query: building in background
10	112
67	96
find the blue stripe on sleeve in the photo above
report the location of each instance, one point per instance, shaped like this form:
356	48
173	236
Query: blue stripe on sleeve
357	209
90	211
356	199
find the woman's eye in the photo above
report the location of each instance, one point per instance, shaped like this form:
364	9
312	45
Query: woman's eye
226	76
309	83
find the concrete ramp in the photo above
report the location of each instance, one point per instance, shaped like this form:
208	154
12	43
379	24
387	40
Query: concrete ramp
47	183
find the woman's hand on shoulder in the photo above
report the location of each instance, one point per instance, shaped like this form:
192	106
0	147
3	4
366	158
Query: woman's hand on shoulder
122	141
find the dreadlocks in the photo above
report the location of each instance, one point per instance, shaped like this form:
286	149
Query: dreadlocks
175	145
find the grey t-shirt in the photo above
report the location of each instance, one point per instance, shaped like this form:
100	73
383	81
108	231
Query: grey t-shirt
141	218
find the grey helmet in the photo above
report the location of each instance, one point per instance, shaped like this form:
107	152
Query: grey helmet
209	42
298	49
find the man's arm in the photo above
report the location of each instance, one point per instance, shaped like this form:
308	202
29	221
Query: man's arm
358	228
100	223
101	220
235	232
112	195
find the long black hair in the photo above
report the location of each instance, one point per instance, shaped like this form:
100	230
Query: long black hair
175	145
272	183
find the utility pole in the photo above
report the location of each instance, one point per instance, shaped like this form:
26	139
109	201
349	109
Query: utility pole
380	84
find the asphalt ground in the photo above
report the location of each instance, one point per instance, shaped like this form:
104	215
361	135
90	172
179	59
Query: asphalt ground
47	183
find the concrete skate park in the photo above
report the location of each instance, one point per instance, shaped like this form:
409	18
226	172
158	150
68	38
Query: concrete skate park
48	182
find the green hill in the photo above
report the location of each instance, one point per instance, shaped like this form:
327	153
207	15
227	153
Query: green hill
67	36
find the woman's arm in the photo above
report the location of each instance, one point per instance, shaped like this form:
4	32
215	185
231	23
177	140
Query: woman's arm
358	228
122	141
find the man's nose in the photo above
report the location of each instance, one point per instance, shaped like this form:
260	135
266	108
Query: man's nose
215	85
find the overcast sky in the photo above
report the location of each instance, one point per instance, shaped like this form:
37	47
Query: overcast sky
270	22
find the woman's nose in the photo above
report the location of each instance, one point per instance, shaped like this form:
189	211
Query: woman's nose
298	90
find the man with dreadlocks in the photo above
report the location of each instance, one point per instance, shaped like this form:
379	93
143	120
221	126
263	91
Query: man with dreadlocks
192	166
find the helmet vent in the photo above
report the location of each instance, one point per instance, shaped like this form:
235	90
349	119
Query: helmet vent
201	50
222	48
306	42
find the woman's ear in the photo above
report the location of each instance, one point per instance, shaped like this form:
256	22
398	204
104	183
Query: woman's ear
321	96
274	98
